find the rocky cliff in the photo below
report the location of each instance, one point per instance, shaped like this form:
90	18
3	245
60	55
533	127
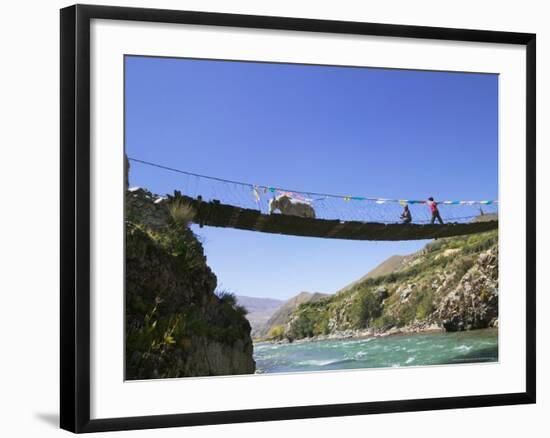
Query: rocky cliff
176	326
452	284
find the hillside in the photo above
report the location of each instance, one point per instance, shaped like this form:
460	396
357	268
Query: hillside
392	264
451	284
176	326
283	313
259	310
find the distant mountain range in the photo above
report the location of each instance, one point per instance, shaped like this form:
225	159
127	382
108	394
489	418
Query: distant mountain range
259	310
266	313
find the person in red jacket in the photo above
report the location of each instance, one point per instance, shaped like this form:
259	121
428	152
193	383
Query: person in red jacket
435	211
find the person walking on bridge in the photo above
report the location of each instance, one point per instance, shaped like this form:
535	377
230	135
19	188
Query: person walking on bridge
435	211
406	215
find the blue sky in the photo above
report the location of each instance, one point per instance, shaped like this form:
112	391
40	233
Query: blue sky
378	132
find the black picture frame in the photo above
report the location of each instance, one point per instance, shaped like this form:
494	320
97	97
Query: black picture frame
75	217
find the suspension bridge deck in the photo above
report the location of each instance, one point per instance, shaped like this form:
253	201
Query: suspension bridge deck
216	214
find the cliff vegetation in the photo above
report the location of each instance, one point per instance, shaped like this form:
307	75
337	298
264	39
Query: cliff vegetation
176	324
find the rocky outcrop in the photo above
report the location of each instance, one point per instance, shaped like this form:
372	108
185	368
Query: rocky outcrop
176	326
151	211
474	302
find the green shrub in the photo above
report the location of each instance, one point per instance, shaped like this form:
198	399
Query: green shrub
385	321
321	327
230	299
309	321
150	342
463	265
276	333
425	304
227	297
366	308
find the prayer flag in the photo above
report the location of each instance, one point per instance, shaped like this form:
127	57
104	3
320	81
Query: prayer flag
256	193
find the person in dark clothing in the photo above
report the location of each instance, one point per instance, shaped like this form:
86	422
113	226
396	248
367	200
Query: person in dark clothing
406	215
435	211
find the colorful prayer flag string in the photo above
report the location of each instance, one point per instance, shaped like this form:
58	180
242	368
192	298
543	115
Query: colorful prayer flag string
299	196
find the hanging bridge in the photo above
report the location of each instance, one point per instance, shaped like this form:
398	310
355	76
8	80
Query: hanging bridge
221	202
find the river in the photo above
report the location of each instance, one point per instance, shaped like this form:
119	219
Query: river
390	351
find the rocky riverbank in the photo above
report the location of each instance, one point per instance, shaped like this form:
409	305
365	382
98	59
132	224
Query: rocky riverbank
418	327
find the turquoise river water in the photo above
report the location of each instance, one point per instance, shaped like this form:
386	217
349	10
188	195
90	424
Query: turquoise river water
390	351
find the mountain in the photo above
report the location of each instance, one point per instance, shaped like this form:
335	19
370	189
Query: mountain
281	316
259	310
392	264
257	304
451	284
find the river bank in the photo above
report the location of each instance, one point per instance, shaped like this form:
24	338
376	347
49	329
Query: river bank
415	328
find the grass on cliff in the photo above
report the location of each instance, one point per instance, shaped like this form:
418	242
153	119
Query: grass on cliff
230	299
164	322
181	213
